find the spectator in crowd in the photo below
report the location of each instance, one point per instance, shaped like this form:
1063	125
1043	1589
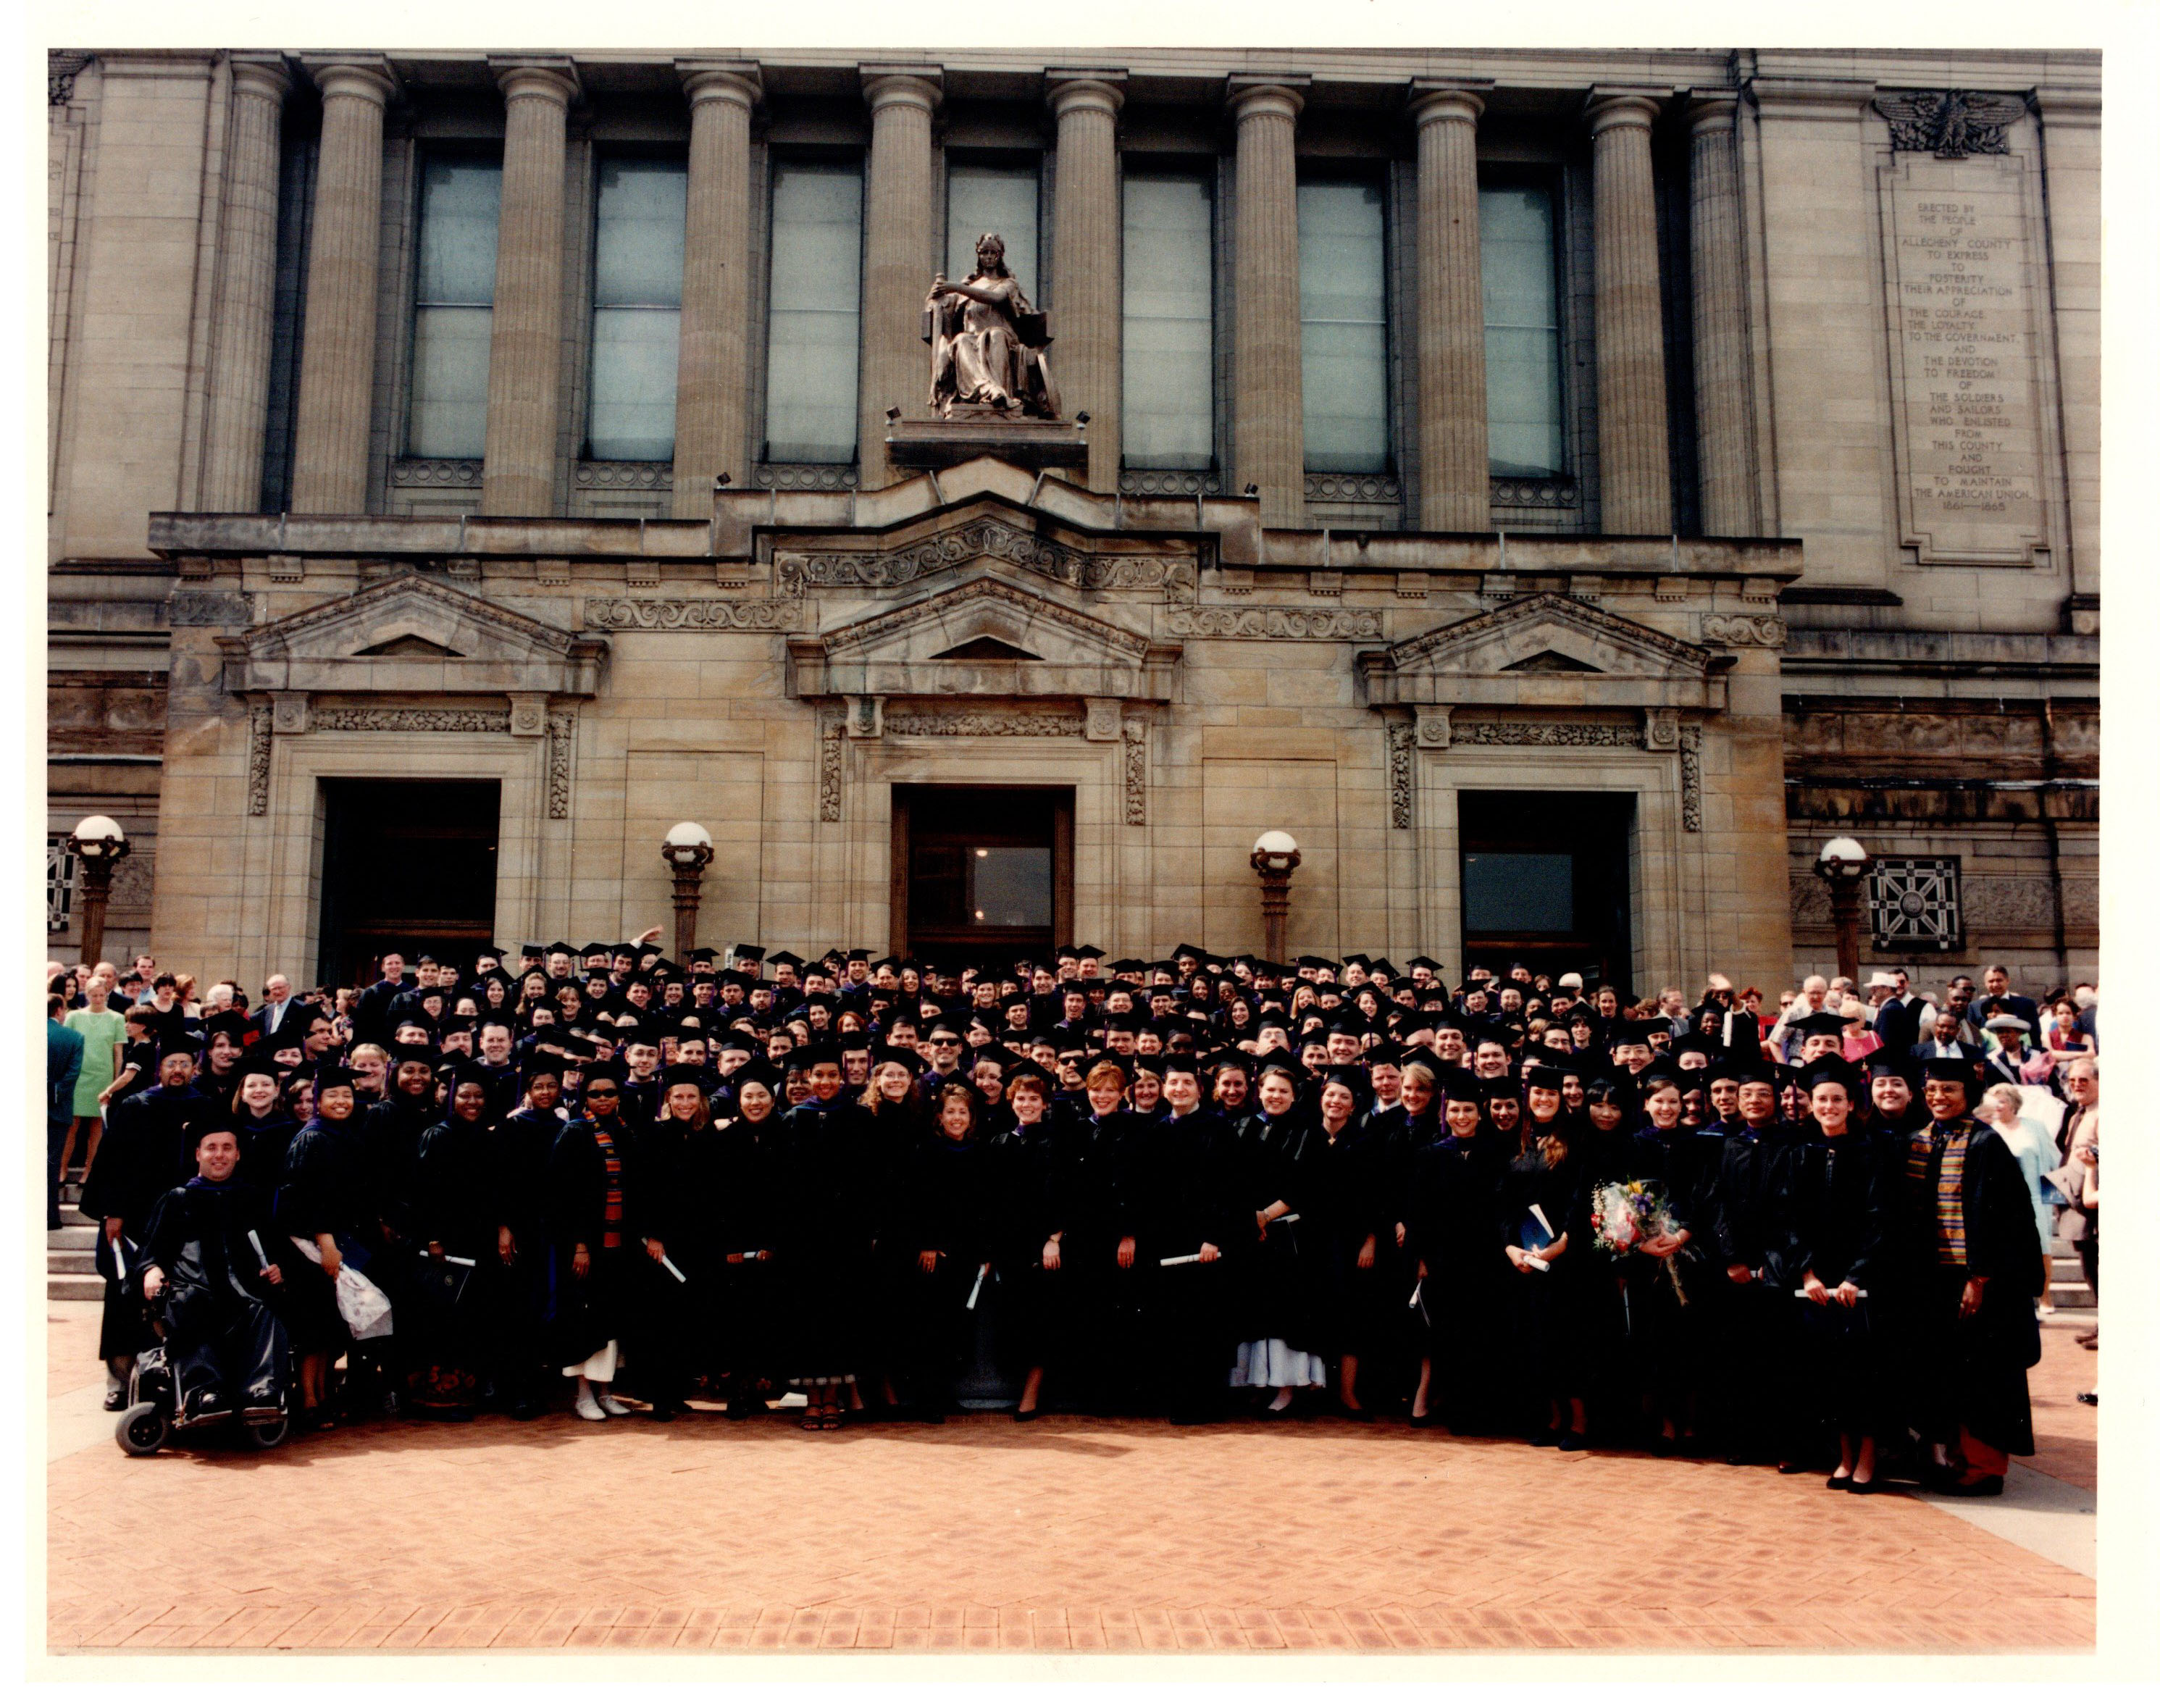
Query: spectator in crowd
64	1052
103	1033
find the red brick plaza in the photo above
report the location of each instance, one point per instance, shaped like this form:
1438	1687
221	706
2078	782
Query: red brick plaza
983	1535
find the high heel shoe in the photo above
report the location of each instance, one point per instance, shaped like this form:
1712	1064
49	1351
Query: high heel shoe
1844	1480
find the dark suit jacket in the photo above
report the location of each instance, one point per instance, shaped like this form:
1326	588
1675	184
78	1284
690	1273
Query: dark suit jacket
63	1067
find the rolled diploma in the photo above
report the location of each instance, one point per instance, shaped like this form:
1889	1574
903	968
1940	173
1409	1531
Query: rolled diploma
668	1264
1857	1292
975	1291
1170	1263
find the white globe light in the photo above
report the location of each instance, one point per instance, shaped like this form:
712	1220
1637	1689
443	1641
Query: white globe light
98	827
688	835
1844	851
1275	841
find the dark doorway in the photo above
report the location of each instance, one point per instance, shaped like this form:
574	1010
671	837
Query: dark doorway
409	866
1545	881
981	876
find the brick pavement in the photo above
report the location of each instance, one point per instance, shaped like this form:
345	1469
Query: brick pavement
983	1534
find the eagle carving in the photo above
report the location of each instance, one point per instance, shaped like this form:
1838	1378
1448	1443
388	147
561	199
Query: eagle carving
1949	123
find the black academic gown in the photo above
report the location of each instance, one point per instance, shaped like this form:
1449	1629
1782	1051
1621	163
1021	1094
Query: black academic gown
1281	1274
1759	1326
263	1147
1360	1181
448	1310
1096	1303
1449	1209
520	1146
1170	1200
1830	1217
1671	1302
148	1149
1549	1310
223	1334
1968	1372
741	1180
591	1197
1019	1216
829	1222
327	1189
942	1210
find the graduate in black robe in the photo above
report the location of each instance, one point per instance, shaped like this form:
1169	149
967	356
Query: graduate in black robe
522	1143
1098	1295
940	1228
263	1124
1358	1180
1448	1208
1023	1237
678	1293
207	1266
1281	1272
1172	1207
1542	1201
895	1109
326	1200
1830	1217
1970	1269
738	1180
597	1260
828	1229
148	1149
454	1219
1757	1325
1668	1279
390	1130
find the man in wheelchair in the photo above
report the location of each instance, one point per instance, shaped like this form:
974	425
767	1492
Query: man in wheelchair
203	1269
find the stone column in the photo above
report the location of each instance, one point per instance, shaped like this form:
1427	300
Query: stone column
247	236
901	248
337	361
710	376
1267	418
525	354
1454	444
1088	242
1725	446
1635	462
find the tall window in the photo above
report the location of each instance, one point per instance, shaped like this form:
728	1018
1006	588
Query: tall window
1000	199
1169	324
812	352
453	306
1522	329
1342	297
637	308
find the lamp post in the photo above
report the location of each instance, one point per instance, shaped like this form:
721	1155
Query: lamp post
1842	864
1275	858
98	844
687	849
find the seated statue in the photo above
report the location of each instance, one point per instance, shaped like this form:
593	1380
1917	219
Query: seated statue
989	351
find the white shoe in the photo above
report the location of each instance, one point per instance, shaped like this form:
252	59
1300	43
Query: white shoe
589	1409
612	1406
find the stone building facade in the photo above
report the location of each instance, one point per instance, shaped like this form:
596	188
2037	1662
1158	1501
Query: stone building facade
1560	488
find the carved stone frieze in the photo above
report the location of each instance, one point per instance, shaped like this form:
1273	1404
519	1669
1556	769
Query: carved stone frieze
1661	729
1135	773
1485	733
435	471
1354	489
61	69
410	720
1402	739
795	571
763	615
562	741
1733	629
1691	776
625	477
985	724
1268	622
258	759
831	757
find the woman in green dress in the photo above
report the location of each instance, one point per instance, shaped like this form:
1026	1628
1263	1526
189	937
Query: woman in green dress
103	1032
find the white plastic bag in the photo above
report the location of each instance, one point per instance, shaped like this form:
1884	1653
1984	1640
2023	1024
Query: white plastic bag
364	1306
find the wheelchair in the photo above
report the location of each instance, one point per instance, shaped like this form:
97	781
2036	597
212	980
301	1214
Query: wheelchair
154	1414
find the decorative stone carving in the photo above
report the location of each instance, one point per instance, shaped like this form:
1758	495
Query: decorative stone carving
289	714
1475	662
865	717
561	741
1170	482
286	566
1353	489
1509	493
258	759
1728	629
61	69
1484	734
764	615
2009	904
1949	123
794	571
410	720
990	348
804	477
1810	900
1661	729
1135	773
832	756
1268	622
1401	739
435	471
625	477
1104	717
1691	776
1068	724
528	714
1433	728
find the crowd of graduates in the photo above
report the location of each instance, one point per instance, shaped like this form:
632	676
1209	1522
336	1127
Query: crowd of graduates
1187	1188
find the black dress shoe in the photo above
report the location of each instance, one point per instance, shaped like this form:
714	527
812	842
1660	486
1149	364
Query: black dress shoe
1430	1420
1020	1416
2092	1398
1844	1482
1663	1447
1571	1443
116	1400
1545	1438
1873	1486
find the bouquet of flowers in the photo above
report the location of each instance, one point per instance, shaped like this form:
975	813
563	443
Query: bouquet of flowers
1625	1213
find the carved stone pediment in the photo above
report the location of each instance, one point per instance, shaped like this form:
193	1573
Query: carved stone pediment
1545	650
985	636
411	636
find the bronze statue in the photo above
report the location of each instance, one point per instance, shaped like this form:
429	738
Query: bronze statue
989	351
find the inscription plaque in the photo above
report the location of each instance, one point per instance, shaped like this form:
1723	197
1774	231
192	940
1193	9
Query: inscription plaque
1967	415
